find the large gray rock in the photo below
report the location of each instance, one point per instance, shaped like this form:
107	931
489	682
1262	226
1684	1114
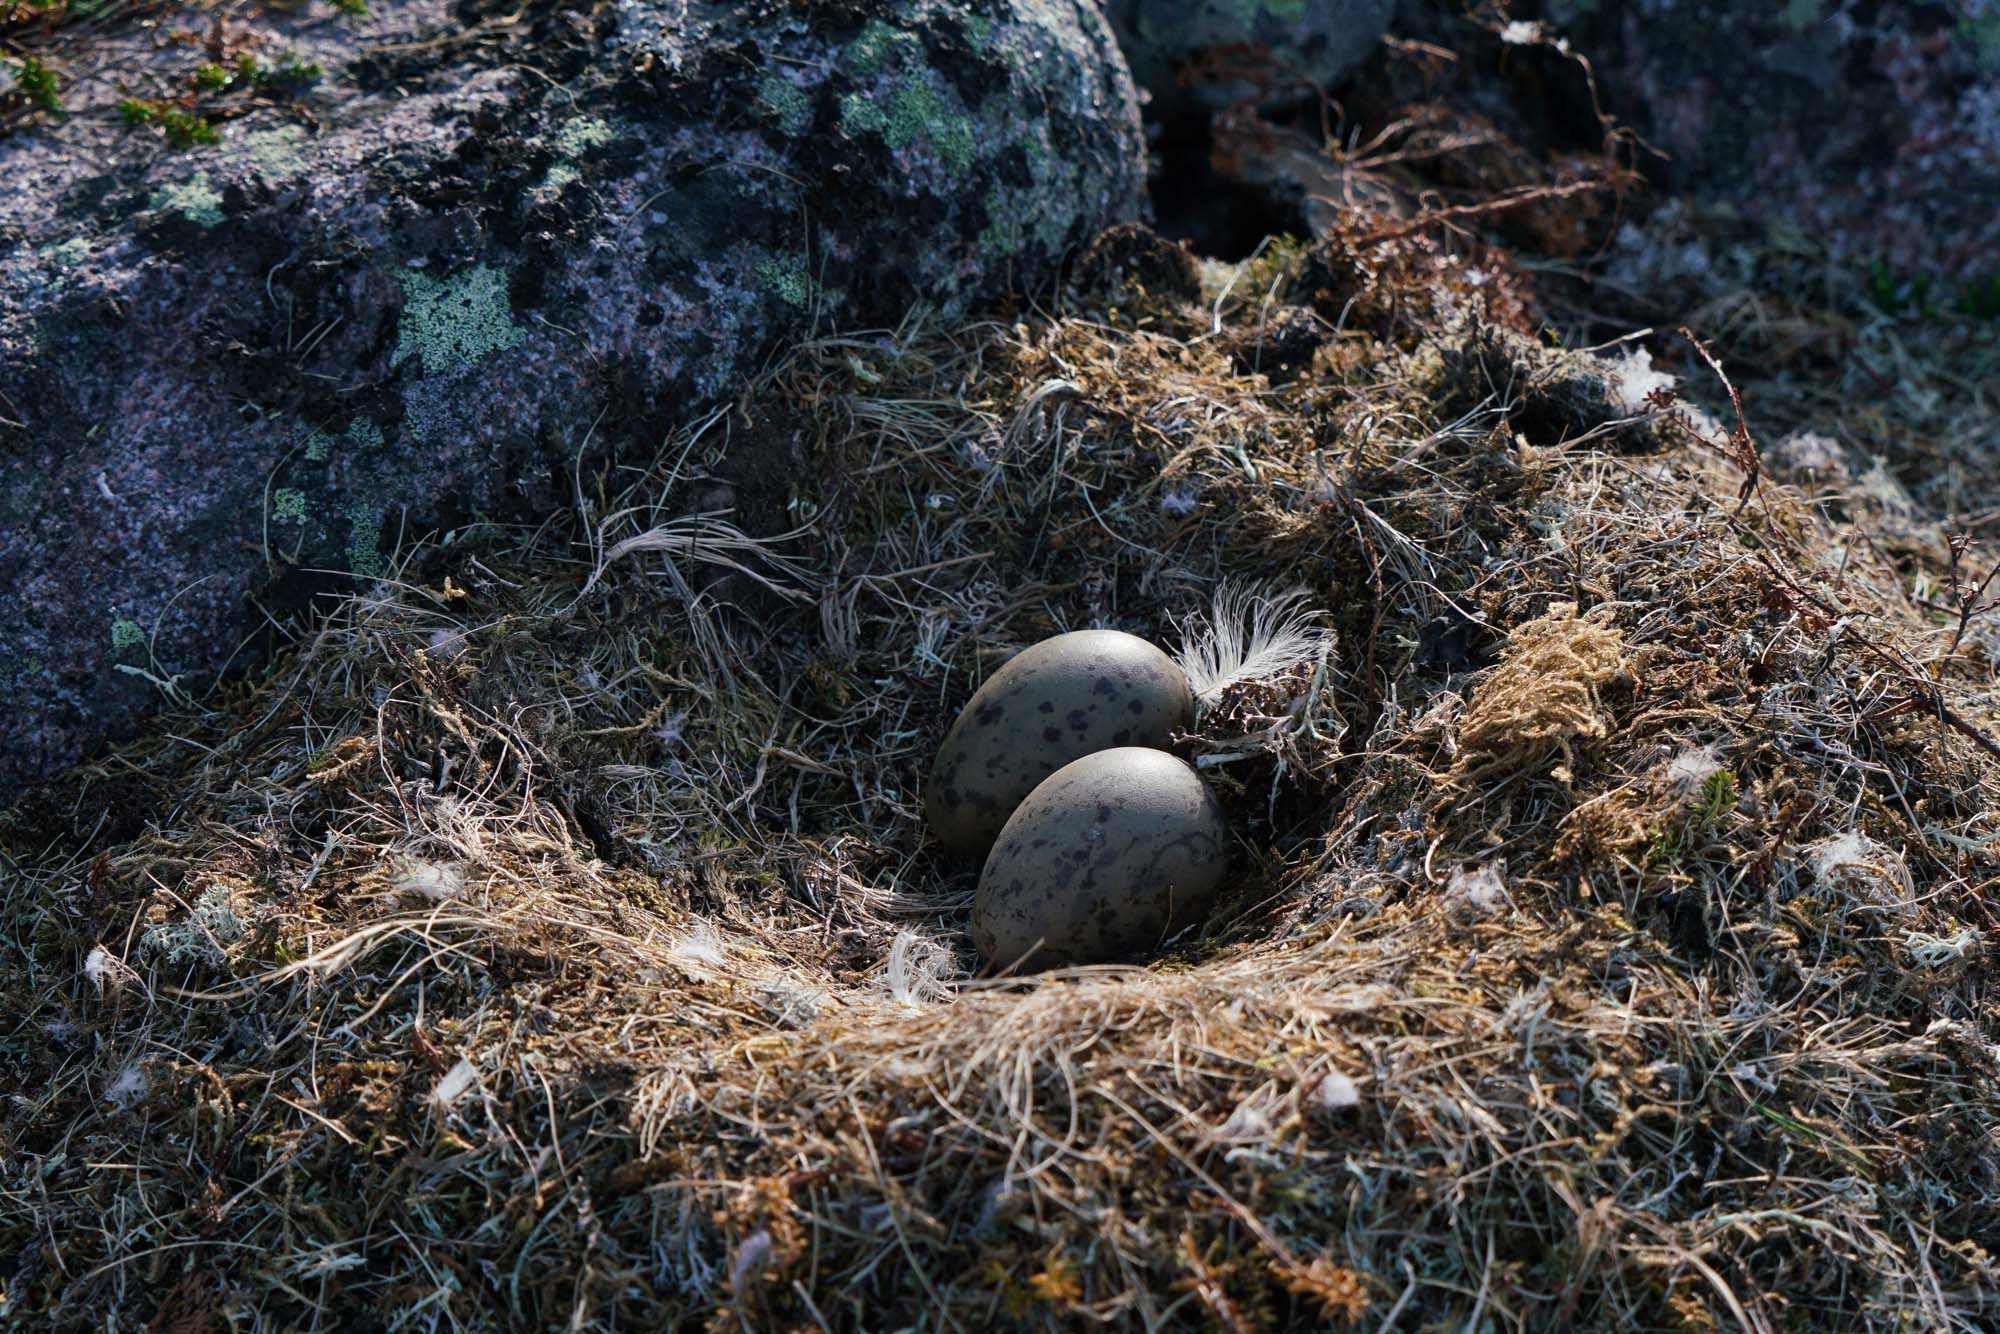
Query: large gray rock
235	375
1872	126
1310	41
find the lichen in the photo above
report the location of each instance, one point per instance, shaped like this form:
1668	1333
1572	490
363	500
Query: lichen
579	136
879	44
364	556
126	634
192	198
786	278
318	447
288	505
916	111
273	154
364	433
212	922
68	254
858	115
454	321
783	100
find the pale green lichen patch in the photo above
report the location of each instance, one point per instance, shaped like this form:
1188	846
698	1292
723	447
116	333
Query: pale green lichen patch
858	115
573	140
363	540
785	277
455	321
288	505
68	254
916	111
364	433
579	136
192	199
319	447
879	44
126	634
782	99
273	154
560	176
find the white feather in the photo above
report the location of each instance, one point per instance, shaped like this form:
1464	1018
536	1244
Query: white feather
1249	636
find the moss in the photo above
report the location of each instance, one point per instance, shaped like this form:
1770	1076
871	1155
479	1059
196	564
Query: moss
37	83
184	129
192	198
784	100
454	321
785	277
319	447
126	634
288	505
364	433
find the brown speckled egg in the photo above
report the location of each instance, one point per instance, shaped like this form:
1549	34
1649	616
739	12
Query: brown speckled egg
1061	699
1109	856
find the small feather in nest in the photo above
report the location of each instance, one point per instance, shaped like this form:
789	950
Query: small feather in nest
1249	635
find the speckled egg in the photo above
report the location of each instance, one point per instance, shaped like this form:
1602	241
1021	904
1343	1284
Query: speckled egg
1109	856
1061	699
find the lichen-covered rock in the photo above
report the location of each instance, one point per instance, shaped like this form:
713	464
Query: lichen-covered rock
1299	43
1874	128
236	374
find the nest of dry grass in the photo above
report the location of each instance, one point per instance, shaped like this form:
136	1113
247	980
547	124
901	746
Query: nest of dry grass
552	940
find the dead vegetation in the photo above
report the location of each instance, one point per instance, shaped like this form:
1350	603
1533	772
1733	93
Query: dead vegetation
553	941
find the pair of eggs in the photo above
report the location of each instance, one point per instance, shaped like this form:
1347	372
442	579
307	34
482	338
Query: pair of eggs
1101	843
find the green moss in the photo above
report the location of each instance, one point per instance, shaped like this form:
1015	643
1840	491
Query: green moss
126	634
978	28
454	321
36	82
1288	11
783	100
288	505
785	277
1802	14
184	129
192	198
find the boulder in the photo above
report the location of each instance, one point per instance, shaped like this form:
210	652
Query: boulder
475	248
1872	127
1294	44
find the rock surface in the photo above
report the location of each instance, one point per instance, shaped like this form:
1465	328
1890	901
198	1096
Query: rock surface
485	244
1873	127
1311	41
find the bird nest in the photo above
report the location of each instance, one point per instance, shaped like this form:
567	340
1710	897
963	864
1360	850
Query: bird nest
552	938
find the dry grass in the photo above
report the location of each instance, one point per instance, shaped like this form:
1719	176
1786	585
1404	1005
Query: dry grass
552	940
